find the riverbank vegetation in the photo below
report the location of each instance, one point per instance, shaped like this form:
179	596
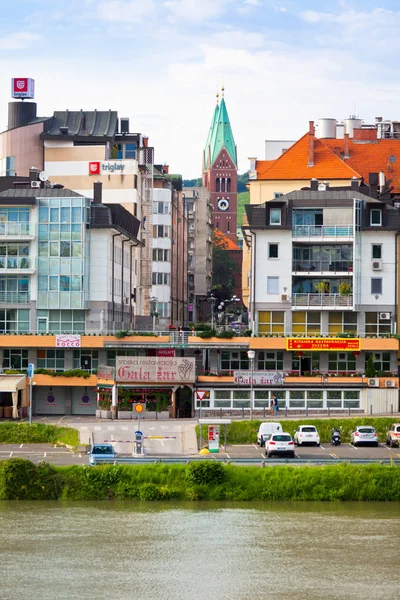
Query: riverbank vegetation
37	433
22	480
245	432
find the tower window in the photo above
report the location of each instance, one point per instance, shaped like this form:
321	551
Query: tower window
228	185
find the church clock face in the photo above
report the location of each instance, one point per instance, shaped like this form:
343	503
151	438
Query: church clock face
223	204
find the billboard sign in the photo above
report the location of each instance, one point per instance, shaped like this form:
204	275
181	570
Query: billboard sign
113	167
22	87
259	377
68	341
143	369
324	344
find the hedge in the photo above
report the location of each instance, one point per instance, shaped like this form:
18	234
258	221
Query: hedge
22	480
37	433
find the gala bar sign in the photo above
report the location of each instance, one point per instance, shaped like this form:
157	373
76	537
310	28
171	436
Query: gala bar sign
145	369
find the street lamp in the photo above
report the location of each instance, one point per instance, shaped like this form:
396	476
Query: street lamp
251	356
212	299
153	310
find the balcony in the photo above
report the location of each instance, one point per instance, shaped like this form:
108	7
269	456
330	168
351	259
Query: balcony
14	298
322	232
16	230
13	265
322	266
321	301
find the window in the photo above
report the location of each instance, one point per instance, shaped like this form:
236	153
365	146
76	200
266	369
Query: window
270	361
63	321
308	362
233	361
14	321
14	289
163	309
160	255
308	217
112	354
381	361
376	285
376	326
342	322
271	322
273	250
375	216
275	216
15	358
272	285
376	250
341	361
306	322
161	278
160	208
50	359
278	194
86	359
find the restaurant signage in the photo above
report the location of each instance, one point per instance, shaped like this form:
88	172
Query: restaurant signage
324	344
68	341
143	369
259	377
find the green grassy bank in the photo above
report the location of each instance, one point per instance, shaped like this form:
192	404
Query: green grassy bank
245	432
22	480
37	433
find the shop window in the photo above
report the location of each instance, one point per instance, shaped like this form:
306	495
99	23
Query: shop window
86	359
381	361
270	361
233	361
306	322
341	361
53	360
271	322
376	326
15	358
342	322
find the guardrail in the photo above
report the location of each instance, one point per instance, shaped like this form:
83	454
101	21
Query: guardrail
134	460
327	231
322	300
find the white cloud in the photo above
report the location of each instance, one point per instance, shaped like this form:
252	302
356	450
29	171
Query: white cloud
128	11
253	2
311	16
19	40
196	10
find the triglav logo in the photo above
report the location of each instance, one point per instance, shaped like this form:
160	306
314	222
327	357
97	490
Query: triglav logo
22	87
94	168
21	84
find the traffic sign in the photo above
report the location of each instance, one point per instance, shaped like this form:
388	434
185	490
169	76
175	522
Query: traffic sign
31	370
200	394
139	408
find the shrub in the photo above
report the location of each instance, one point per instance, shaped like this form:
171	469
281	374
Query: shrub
37	433
226	334
370	370
22	480
149	491
206	333
208	473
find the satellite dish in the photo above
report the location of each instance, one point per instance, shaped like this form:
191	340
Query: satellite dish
43	176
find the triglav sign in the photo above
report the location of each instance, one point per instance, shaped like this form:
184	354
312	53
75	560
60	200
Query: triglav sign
22	87
113	167
142	369
259	377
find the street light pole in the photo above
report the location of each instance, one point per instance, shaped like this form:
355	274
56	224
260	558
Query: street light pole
251	356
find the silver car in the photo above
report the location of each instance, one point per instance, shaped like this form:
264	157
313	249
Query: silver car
279	444
364	434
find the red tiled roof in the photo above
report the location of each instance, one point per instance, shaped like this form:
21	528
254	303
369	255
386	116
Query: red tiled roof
372	157
293	164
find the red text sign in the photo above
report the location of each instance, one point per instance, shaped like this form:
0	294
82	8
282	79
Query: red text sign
324	344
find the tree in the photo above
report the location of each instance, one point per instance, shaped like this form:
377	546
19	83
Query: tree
370	370
223	267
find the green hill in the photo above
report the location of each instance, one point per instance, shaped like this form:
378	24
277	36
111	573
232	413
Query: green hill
242	199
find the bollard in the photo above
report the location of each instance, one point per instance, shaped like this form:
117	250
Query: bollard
286	413
370	409
242	412
391	409
220	413
329	414
264	412
306	411
349	410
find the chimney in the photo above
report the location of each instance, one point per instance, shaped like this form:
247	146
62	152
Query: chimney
346	146
354	182
165	169
314	184
33	174
145	142
311	135
97	192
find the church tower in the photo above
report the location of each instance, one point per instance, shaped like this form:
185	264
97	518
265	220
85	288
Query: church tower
220	171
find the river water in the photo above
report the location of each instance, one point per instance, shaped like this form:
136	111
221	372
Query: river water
190	551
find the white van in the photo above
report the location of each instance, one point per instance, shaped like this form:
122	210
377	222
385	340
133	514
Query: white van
267	429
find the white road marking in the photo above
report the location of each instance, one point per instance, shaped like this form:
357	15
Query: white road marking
334	455
355	448
11	454
256	447
21	445
124	428
84	427
323	448
44	455
296	455
97	427
110	428
263	455
227	454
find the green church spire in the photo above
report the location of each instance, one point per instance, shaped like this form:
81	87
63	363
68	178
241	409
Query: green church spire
219	136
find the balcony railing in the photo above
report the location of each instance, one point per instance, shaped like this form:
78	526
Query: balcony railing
14	297
16	262
344	266
323	231
16	229
321	301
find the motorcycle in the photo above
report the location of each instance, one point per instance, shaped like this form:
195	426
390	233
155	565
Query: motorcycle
336	438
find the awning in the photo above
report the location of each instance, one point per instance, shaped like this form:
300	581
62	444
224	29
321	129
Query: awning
12	383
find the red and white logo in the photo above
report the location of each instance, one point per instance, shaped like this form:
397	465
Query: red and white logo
94	168
21	85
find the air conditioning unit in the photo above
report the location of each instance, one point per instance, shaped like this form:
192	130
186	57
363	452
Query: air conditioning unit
390	383
284	297
373	382
384	316
377	265
35	184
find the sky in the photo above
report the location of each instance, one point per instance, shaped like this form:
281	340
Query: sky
161	62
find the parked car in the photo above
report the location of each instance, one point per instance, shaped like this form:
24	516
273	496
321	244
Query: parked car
101	451
279	444
265	430
364	434
393	435
306	434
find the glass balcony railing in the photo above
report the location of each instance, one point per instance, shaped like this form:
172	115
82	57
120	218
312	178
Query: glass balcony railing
321	301
344	266
323	231
14	297
16	229
16	262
